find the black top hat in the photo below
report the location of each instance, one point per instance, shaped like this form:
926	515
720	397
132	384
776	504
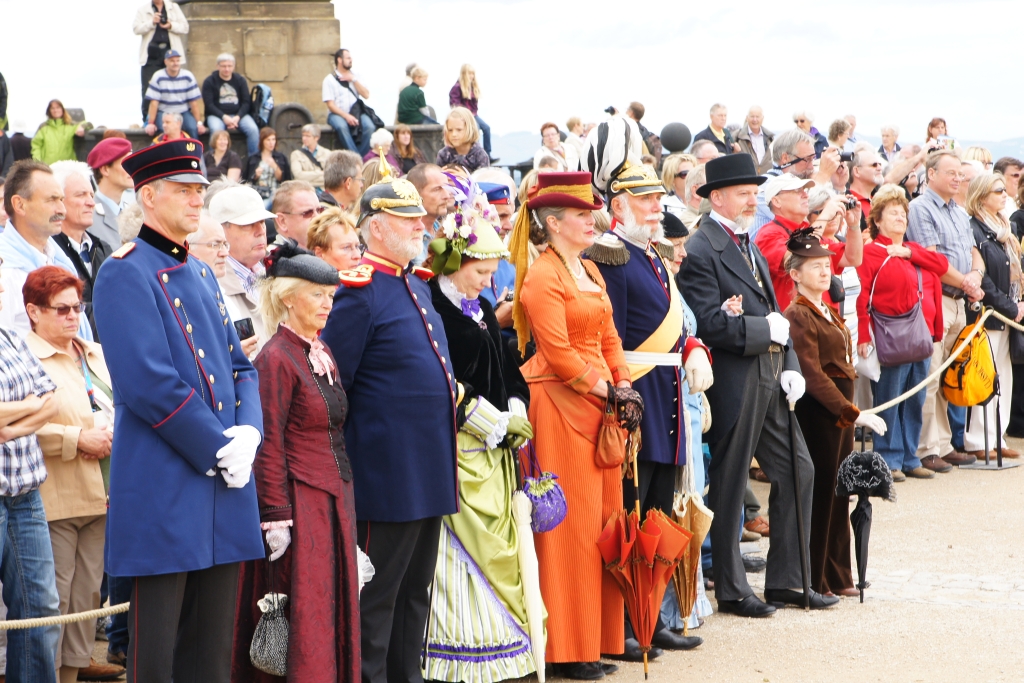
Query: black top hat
803	242
672	226
732	169
179	161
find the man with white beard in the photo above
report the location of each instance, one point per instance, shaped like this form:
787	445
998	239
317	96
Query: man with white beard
648	315
393	361
758	373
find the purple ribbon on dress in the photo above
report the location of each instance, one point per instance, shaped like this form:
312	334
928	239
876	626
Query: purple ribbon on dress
470	307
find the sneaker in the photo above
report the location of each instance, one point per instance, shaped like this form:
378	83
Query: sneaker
920	473
898	475
101	628
936	464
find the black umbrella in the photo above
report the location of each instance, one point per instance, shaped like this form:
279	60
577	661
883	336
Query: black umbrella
866	474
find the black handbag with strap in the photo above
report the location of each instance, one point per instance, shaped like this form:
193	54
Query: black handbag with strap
358	110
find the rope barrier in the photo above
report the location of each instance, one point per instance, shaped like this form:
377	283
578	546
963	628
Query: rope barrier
64	618
977	327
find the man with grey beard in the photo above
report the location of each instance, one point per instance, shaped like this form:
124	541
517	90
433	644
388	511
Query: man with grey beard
34	202
647	311
757	372
393	361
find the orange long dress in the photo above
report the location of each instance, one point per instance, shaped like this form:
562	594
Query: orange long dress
577	346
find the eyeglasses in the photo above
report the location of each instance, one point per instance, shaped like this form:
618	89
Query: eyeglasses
352	248
799	120
216	246
877	164
999	190
308	213
64	310
798	160
682	174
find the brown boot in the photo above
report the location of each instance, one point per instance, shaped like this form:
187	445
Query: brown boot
935	464
958	458
100	672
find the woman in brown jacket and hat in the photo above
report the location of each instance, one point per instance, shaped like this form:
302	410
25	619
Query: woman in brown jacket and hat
826	412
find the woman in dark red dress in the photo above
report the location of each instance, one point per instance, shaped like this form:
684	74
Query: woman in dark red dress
304	484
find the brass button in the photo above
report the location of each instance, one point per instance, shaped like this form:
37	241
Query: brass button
211	379
204	272
423	311
444	361
225	322
415	297
165	278
236	374
430	327
435	345
238	403
449	376
177	302
231	347
188	328
218	295
220	406
671	431
202	354
675	400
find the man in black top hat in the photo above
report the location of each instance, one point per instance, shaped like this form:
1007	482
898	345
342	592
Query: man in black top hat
757	372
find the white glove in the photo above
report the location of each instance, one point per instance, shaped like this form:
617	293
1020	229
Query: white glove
698	371
239	479
779	328
872	422
793	384
278	540
239	453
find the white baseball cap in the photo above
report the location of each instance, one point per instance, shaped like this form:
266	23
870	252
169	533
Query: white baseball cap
783	183
240	205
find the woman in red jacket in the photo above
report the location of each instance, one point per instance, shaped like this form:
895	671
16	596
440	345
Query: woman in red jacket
896	264
466	93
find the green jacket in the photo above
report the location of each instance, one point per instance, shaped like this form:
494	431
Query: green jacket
54	141
410	100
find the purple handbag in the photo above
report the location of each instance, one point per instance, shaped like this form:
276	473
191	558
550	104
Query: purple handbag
904	338
549	506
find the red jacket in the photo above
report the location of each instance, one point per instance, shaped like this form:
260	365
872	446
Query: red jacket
897	291
771	240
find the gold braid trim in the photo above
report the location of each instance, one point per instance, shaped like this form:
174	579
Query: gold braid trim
627	184
579	191
378	203
519	256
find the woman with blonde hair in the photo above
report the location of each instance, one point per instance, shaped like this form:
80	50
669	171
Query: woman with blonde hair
55	139
466	93
674	170
460	139
333	237
303	483
1002	284
979	154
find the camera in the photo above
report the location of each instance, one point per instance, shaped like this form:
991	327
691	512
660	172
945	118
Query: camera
850	203
846	156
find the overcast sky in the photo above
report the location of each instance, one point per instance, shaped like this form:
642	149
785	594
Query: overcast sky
887	61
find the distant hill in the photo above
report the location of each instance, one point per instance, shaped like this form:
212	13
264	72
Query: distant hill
513	148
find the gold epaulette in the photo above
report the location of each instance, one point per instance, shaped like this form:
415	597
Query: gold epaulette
124	250
423	273
360	276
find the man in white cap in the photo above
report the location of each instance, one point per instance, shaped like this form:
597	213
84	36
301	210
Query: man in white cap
240	210
788	198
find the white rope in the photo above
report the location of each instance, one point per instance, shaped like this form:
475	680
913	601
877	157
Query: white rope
64	618
949	361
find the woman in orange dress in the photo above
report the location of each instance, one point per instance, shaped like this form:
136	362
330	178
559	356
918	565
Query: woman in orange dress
562	301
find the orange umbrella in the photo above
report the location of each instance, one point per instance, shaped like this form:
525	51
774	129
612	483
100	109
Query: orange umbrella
642	560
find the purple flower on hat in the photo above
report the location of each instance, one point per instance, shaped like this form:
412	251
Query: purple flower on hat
458	220
471	240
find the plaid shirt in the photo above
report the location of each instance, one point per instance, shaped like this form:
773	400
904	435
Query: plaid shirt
932	222
21	460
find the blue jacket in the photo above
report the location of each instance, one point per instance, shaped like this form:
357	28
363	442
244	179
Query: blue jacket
180	379
394	363
640	296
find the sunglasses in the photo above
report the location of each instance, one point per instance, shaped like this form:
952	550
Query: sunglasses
799	120
682	174
64	310
999	190
308	213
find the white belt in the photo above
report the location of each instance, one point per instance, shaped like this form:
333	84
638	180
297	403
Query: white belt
646	358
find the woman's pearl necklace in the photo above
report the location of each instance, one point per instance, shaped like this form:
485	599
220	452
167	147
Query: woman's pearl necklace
582	271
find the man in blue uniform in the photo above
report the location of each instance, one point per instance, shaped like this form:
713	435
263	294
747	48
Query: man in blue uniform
393	361
183	510
648	315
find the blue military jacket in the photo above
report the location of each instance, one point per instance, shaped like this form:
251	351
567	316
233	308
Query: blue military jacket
640	295
179	379
393	360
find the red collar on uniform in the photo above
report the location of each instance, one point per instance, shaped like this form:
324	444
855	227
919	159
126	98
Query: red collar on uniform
381	264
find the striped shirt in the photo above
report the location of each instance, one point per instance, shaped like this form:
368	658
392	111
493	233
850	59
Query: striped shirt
173	93
248	277
21	460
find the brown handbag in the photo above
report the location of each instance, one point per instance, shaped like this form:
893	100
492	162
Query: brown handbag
611	438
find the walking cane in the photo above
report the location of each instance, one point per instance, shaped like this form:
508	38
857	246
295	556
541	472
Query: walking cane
799	508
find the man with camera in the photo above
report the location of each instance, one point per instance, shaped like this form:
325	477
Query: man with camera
787	197
865	177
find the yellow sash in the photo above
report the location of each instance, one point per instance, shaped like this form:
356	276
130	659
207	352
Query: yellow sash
663	339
